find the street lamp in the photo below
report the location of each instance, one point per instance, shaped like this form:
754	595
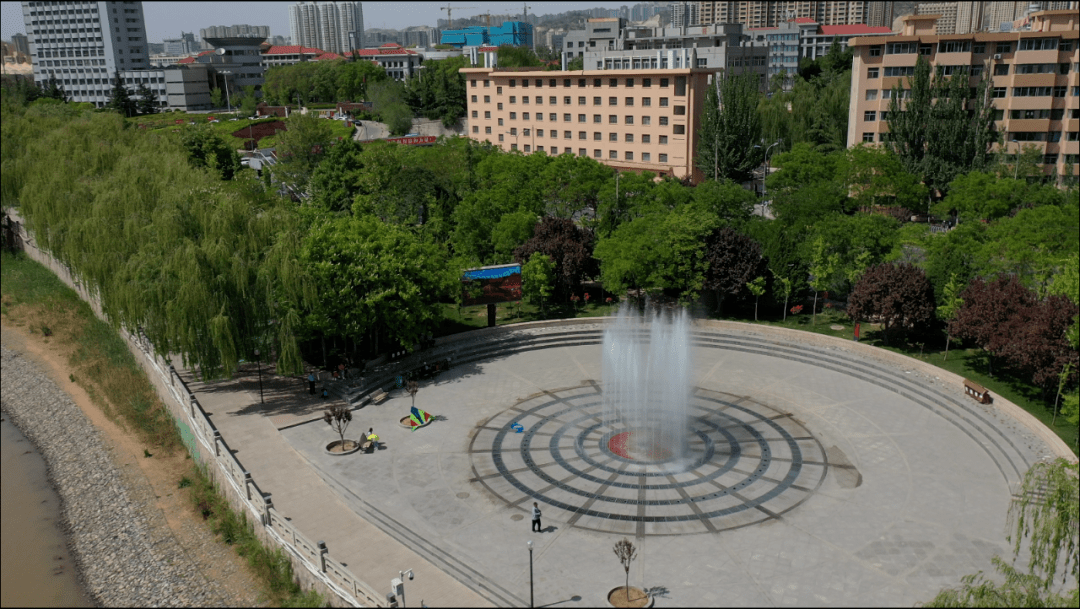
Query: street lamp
766	173
260	376
225	74
398	584
1016	161
532	603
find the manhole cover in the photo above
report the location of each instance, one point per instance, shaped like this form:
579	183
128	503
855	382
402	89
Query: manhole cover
837	327
516	517
462	495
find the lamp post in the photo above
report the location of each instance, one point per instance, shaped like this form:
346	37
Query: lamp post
257	359
532	603
1016	163
225	74
766	172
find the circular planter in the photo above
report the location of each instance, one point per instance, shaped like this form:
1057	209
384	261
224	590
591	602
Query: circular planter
406	422
333	448
635	593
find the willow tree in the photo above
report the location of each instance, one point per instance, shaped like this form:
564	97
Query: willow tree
1043	521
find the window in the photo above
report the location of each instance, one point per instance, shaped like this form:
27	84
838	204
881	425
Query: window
524	116
663	102
473	83
663	83
1059	91
646	82
513	99
680	110
552	100
869	115
612	119
487	99
999	92
1038	44
487	83
538	149
1065	46
629	138
613	101
500	122
596	82
875	51
1053	136
500	137
513	130
613	82
663	121
596	136
499	106
553	117
978	48
1074	113
596	118
539	100
926	49
525	99
513	116
513	146
1039	68
899	71
566	135
596	101
613	154
646	139
663	158
566	100
873	72
1001	69
646	157
893	48
1028	114
884	115
580	82
613	137
954	46
554	134
539	116
474	97
475	114
976	70
539	133
566	117
1003	47
513	82
867	137
1031	91
629	120
678	129
871	94
1027	136
581	100
596	153
1050	159
628	156
581	118
1074	136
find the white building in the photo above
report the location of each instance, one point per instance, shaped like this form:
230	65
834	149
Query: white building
83	44
336	27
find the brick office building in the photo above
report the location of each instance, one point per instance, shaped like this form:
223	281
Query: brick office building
639	120
1036	82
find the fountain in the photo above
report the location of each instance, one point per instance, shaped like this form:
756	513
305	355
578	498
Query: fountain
646	367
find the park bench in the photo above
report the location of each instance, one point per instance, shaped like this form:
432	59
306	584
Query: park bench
379	397
977	392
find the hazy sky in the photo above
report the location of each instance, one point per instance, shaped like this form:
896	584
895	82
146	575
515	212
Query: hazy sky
168	19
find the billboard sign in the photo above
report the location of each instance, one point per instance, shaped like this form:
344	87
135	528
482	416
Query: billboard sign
491	284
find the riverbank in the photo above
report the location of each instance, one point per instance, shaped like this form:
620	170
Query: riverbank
121	541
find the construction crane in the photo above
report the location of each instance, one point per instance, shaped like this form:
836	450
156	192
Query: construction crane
449	9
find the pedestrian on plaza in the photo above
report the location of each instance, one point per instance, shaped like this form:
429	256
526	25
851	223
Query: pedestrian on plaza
536	519
311	383
325	393
374	439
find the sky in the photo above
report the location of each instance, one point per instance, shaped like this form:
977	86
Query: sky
168	19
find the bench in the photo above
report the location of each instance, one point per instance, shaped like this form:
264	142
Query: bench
380	397
977	392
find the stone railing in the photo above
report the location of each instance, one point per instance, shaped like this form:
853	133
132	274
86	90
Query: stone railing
311	561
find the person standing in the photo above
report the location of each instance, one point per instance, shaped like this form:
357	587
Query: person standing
536	518
311	383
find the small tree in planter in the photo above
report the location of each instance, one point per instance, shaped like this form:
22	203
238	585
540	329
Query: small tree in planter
338	418
626	552
413	387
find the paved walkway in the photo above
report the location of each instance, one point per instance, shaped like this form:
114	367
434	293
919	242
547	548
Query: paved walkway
912	500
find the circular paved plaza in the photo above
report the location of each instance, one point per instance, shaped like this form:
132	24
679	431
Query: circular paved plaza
814	474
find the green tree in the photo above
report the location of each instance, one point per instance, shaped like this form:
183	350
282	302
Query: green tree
54	90
576	64
336	181
511	231
300	148
782	289
207	149
822	266
981	195
875	178
538	279
438	91
510	56
249	101
730	128
388	99
949	307
729	202
1045	517
217	97
941	131
120	99
757	288
147	100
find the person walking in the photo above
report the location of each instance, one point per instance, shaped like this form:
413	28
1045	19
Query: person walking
373	438
311	383
536	518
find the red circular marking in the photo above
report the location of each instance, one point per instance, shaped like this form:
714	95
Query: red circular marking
618	444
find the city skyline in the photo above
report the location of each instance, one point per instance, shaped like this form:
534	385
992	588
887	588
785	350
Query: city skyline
168	19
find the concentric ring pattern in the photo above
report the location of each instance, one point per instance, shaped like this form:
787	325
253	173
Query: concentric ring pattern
744	463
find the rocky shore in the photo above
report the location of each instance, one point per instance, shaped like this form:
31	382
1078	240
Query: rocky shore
125	554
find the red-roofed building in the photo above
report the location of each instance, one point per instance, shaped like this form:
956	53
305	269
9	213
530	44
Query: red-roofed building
399	63
817	44
326	56
288	55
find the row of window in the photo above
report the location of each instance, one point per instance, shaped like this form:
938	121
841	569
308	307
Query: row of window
597	153
613	119
581	100
581	82
995	92
1001	69
597	136
968	46
1054	114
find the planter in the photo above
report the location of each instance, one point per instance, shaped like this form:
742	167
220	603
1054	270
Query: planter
334	448
407	423
617	598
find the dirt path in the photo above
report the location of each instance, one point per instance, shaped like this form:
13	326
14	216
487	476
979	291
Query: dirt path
153	481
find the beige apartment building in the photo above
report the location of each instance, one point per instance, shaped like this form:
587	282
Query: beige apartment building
1035	80
634	119
772	13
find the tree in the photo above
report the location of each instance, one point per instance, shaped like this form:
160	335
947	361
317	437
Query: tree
757	288
54	90
570	247
576	64
335	181
733	259
207	149
511	232
1045	516
147	102
730	128
987	309
300	148
537	277
217	97
388	99
248	102
782	287
510	56
875	178
120	99
730	203
949	307
626	552
438	91
1039	347
897	295
979	195
940	131
338	418
413	388
822	266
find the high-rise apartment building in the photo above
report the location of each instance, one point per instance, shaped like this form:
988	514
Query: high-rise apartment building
956	17
685	14
21	43
760	13
1035	80
336	27
83	44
